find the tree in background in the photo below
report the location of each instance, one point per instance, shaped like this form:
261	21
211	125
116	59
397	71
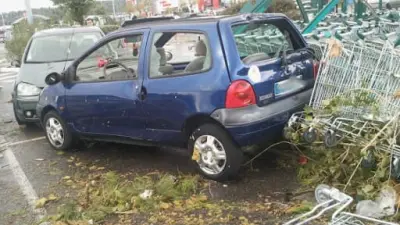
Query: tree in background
287	7
98	10
76	8
21	34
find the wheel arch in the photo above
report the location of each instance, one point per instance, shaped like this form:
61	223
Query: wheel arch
197	120
45	110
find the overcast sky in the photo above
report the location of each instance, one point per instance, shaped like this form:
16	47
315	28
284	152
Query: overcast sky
16	5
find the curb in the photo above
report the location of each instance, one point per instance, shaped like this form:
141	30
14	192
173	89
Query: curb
7	70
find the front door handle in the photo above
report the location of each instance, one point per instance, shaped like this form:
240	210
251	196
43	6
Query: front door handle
142	93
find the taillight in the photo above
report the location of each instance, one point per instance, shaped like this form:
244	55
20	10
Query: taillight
240	94
316	69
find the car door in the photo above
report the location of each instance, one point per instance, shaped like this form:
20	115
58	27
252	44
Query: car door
102	97
173	92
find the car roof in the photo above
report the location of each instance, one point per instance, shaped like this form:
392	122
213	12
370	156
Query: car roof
69	30
195	20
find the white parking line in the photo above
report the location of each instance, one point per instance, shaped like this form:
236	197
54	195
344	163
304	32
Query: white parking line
23	182
22	142
8	77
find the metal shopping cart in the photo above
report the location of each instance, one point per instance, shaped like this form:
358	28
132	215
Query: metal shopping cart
359	73
331	199
356	92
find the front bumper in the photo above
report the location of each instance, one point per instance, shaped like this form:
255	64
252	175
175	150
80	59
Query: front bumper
255	125
25	108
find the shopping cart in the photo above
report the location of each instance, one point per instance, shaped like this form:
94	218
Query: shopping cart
331	199
360	74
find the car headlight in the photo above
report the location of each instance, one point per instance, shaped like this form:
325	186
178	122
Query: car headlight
24	89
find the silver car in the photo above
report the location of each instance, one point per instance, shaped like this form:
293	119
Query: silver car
48	51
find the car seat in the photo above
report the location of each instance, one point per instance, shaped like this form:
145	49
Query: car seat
198	63
164	67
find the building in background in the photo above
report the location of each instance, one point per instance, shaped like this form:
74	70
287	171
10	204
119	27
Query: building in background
158	7
162	6
208	4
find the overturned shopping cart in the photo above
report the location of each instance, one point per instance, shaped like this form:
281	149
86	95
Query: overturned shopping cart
330	199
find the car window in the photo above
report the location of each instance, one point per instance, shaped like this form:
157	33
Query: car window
64	47
261	39
190	51
115	60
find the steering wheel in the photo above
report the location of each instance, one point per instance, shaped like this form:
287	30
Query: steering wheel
130	72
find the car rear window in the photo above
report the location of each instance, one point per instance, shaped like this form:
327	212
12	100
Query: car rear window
63	47
263	40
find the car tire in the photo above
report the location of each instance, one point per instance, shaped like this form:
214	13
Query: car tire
57	132
214	154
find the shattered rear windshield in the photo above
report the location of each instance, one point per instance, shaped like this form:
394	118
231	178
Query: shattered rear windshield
260	39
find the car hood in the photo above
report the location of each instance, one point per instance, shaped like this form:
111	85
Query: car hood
35	73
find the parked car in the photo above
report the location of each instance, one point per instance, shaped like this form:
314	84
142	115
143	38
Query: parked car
47	51
246	75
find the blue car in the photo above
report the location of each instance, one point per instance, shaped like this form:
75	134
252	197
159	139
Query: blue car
217	85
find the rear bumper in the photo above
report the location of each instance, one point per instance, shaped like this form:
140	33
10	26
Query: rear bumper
254	125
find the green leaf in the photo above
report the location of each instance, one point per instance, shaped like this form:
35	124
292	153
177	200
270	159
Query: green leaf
368	188
41	202
308	109
385	162
381	173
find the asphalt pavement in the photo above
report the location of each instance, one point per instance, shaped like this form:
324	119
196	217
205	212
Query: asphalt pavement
30	169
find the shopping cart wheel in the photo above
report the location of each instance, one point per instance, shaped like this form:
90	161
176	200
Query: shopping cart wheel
310	135
294	119
321	193
395	172
330	139
368	162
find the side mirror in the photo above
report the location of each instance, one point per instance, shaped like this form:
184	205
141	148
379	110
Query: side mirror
52	78
16	63
169	56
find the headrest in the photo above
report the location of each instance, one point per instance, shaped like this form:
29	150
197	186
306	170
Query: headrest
163	56
201	48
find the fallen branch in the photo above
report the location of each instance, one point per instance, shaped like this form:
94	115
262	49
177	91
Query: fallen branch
273	145
126	213
370	143
209	190
352	175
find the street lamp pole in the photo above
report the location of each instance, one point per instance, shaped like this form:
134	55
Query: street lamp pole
113	5
2	17
29	15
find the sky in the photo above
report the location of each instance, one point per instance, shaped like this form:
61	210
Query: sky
16	5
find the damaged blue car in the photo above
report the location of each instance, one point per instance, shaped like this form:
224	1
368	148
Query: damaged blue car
215	85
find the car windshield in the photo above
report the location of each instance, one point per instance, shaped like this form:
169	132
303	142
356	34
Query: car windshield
63	47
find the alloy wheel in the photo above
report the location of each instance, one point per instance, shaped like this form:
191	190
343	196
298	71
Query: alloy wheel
55	132
212	155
